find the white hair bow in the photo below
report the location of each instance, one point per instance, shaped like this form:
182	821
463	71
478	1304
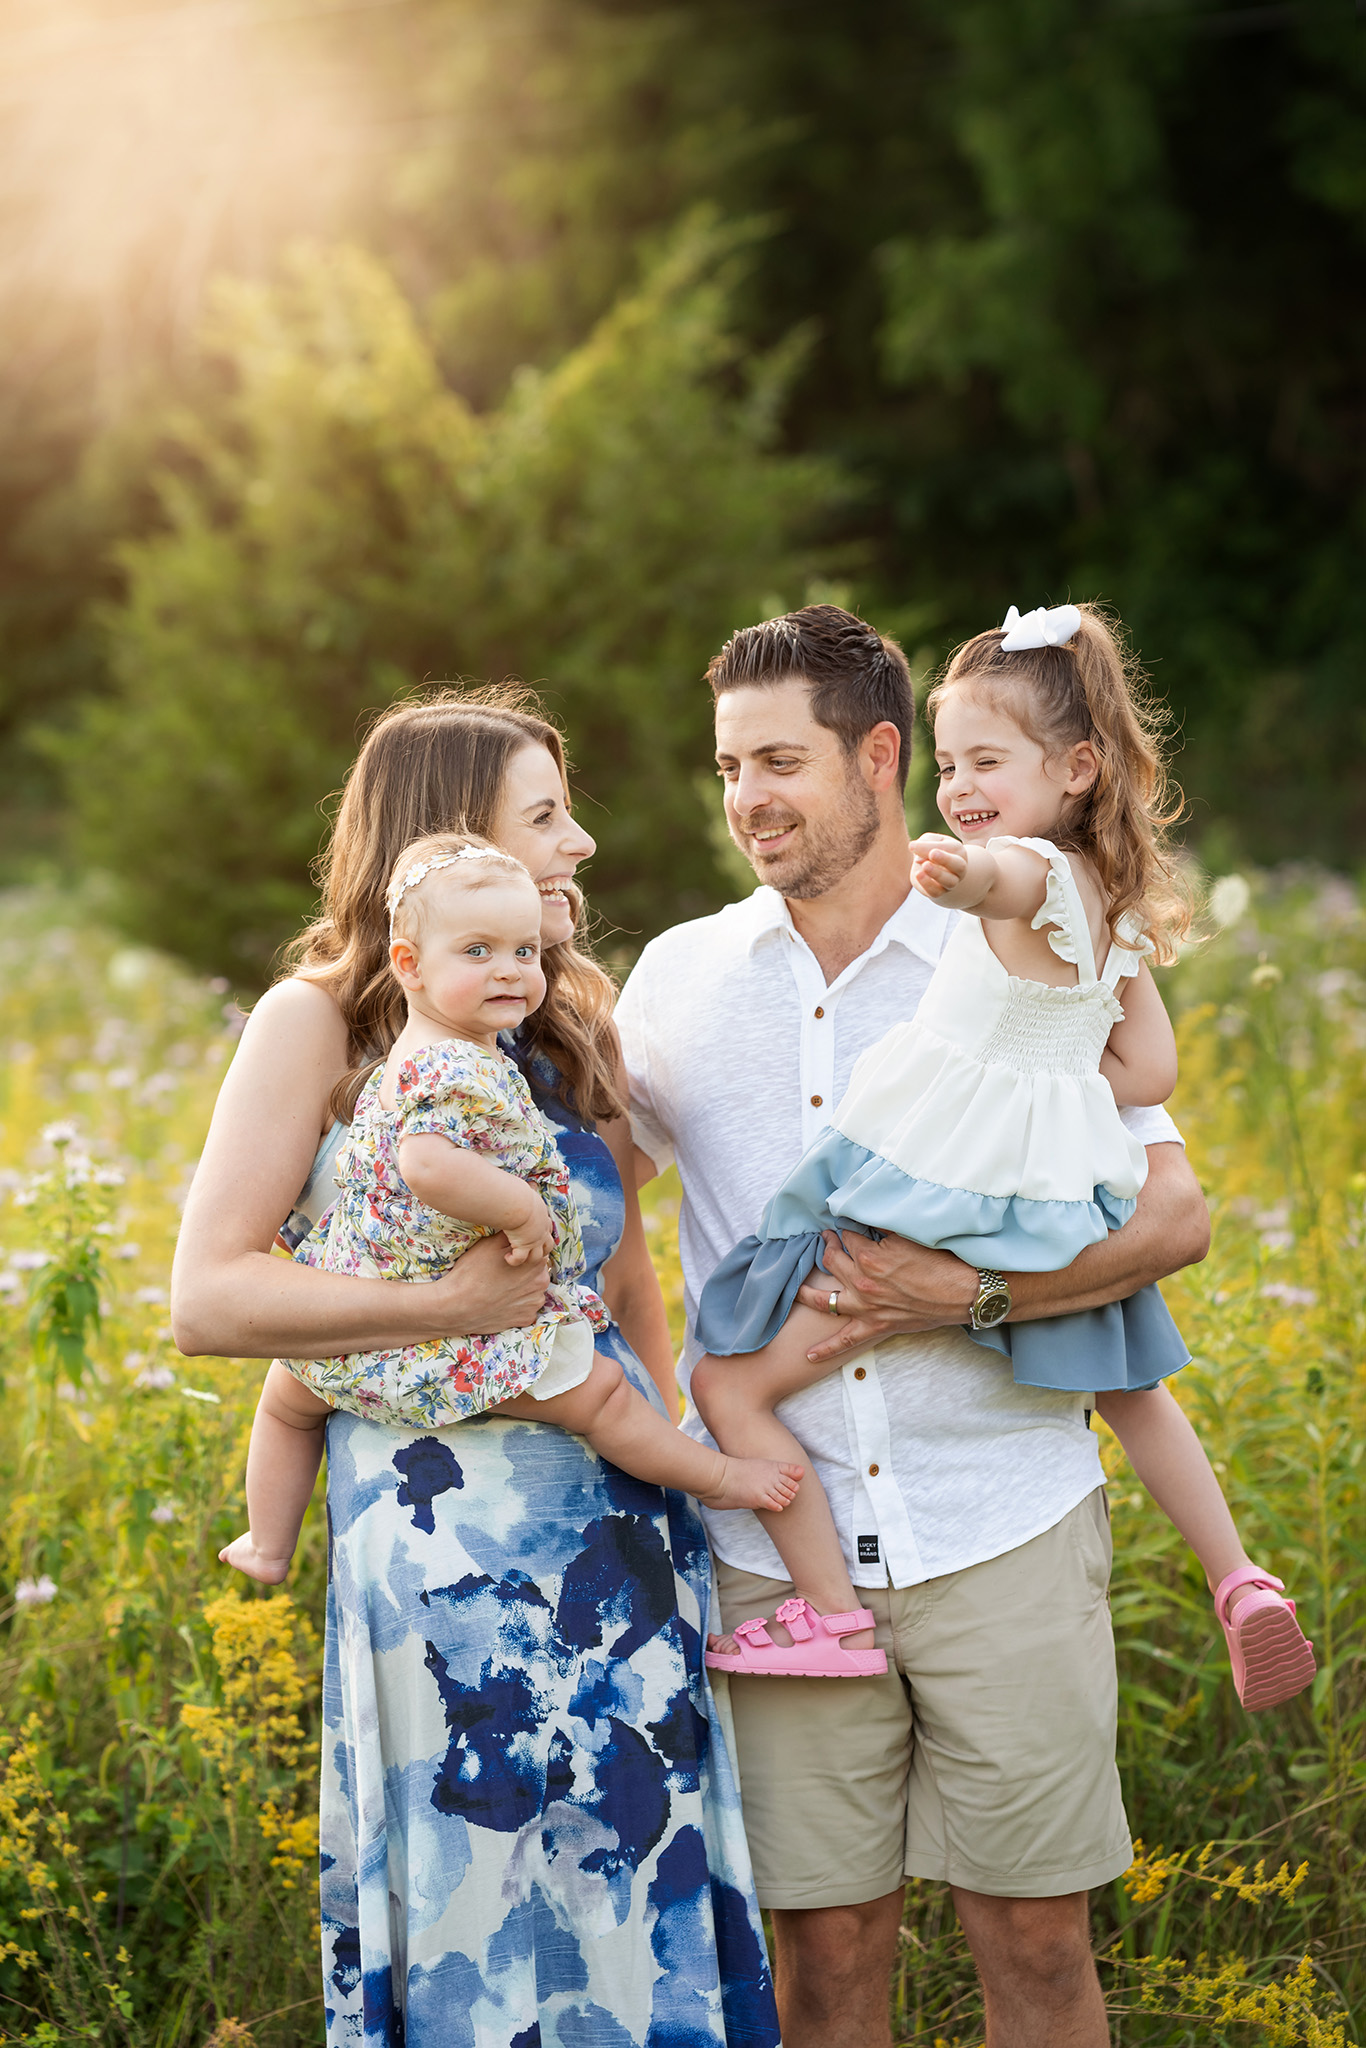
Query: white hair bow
1041	628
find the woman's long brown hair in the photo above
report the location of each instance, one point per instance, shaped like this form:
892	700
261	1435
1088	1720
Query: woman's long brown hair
1092	688
434	764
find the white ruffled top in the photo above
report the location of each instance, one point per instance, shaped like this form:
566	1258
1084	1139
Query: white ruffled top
995	1086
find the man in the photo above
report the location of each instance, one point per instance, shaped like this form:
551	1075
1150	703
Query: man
972	1510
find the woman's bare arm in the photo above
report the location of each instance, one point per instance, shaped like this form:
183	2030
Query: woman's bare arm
229	1295
630	1283
896	1288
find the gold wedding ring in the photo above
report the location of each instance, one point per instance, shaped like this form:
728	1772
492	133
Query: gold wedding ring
834	1297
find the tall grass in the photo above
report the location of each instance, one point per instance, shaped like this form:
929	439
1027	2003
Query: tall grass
158	1754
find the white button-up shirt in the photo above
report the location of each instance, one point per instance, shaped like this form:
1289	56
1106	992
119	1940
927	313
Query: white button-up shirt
737	1051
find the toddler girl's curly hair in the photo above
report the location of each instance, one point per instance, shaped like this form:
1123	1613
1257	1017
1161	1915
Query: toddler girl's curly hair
1093	688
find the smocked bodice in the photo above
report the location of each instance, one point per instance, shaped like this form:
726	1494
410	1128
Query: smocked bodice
1007	1022
995	1085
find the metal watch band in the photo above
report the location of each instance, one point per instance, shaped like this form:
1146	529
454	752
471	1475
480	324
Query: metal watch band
992	1289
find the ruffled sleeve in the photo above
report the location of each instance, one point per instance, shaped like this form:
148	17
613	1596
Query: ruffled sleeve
1055	911
460	1092
1133	947
1062	913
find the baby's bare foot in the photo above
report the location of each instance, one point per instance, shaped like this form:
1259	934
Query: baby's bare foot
755	1483
243	1556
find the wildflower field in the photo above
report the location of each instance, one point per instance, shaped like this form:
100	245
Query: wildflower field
158	1725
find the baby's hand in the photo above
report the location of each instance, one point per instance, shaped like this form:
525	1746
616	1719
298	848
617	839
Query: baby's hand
533	1235
938	863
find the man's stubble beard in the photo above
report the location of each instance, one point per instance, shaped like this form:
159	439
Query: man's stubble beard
827	852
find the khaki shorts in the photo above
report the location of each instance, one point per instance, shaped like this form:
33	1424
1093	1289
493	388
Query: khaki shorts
985	1758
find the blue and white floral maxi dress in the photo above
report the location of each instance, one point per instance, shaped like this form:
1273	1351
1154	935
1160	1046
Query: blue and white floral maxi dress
531	1833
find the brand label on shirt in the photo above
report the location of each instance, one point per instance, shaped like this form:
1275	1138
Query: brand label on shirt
868	1552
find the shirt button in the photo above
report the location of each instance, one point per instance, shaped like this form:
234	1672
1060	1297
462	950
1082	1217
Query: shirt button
819	1011
816	1101
860	1372
873	1471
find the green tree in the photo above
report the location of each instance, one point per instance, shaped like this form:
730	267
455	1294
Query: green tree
1082	285
346	528
1145	324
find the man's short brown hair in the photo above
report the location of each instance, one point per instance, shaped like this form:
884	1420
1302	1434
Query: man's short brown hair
858	677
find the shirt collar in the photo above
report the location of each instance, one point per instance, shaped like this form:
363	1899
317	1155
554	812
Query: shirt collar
917	924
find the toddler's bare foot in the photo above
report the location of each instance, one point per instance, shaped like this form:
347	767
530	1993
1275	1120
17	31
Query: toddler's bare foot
754	1483
243	1556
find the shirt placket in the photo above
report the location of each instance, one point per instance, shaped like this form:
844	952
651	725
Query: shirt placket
881	1541
820	1006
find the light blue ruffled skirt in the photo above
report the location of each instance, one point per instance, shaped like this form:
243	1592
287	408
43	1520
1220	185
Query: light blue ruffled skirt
837	1185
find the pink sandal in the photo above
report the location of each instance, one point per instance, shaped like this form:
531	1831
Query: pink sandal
1271	1657
814	1652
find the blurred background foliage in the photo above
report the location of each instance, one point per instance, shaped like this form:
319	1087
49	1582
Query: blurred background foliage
564	336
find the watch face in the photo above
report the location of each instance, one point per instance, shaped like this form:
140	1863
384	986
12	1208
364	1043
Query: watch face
993	1308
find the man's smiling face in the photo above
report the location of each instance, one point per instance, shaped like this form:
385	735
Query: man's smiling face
797	804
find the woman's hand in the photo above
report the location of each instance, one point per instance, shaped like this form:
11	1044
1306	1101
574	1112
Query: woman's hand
890	1288
483	1291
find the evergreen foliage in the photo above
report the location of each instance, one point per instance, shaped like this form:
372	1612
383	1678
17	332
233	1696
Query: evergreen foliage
343	527
1071	296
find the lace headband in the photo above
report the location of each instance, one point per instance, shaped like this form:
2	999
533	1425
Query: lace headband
1041	628
420	869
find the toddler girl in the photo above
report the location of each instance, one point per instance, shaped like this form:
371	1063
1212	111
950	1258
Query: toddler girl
446	1146
989	1126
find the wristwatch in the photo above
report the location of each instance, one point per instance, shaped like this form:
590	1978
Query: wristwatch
993	1303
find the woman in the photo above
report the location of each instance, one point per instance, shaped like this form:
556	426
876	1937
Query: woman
530	1831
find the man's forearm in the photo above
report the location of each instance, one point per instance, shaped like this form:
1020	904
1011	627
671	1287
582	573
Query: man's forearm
893	1288
1168	1230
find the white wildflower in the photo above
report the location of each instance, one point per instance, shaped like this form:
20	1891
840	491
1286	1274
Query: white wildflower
156	1378
125	1251
1229	899
163	1512
35	1592
201	1394
131	967
1293	1297
28	1262
153	1297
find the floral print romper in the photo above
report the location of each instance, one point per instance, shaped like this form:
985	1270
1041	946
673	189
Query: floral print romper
379	1229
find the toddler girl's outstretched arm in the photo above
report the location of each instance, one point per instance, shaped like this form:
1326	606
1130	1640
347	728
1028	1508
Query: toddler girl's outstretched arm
458	1182
994	882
